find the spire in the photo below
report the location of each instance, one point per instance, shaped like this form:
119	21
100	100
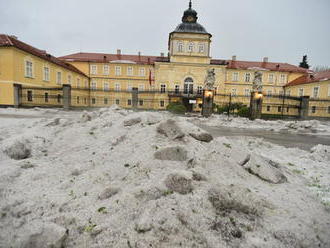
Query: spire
190	4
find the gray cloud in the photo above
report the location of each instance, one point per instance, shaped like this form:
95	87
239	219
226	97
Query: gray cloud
283	30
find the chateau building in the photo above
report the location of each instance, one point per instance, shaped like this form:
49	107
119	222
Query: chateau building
178	76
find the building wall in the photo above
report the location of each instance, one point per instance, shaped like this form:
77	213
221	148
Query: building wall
6	75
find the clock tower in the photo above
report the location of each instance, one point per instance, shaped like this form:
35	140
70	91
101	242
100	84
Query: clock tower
190	42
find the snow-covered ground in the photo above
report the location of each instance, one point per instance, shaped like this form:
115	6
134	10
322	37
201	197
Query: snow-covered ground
297	126
117	178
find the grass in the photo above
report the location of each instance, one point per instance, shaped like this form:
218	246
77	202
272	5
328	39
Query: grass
167	192
299	172
102	210
290	164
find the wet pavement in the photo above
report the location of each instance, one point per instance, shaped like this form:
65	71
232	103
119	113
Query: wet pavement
287	139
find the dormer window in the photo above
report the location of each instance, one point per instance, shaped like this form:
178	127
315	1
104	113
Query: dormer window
201	48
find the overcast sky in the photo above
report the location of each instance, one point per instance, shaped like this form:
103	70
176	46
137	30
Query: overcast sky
283	30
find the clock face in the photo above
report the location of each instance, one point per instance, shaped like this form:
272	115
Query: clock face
190	18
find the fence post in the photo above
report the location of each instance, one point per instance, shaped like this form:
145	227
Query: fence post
255	105
66	96
135	98
17	95
304	107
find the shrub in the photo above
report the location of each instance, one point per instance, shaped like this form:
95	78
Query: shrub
176	108
243	111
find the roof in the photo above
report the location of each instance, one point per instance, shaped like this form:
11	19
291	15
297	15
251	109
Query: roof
109	58
311	78
271	66
187	27
11	41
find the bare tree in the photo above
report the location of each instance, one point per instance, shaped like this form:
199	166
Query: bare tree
320	68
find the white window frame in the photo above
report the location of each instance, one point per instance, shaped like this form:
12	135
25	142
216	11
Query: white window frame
247	77
93	85
162	88
117	86
129	87
177	89
199	90
69	79
269	92
46	74
247	92
130	71
142	72
235	76
180	47
141	87
271	78
191	47
106	69
318	92
118	70
329	90
162	103
201	48
78	82
59	77
283	78
301	92
106	86
28	65
93	69
233	92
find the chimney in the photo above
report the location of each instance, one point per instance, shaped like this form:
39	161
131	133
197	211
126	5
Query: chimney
14	37
161	54
265	60
234	58
149	61
118	52
104	58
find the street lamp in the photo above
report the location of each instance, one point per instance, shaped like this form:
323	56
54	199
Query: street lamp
208	95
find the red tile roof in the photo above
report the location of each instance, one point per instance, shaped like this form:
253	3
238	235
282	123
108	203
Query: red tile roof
235	64
11	41
106	58
311	78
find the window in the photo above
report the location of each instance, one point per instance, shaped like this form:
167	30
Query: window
78	82
287	109
129	71
191	47
46	97
233	92
162	103
86	84
271	78
283	78
328	109
59	77
279	109
129	102
247	92
93	101
268	108
29	96
141	102
281	92
117	87
301	92
235	77
117	101
78	100
199	90
69	79
162	88
269	92
106	101
201	48
106	69
93	85
129	87
141	87
93	69
28	69
106	86
329	90
247	77
142	72
180	47
313	109
46	73
316	92
85	100
288	93
188	86
177	89
117	70
59	98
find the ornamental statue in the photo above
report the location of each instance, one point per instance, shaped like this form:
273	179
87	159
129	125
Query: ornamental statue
257	82
209	80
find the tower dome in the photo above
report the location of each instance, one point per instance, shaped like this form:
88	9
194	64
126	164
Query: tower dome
189	22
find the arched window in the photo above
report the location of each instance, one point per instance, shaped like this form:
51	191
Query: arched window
191	47
188	86
180	47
